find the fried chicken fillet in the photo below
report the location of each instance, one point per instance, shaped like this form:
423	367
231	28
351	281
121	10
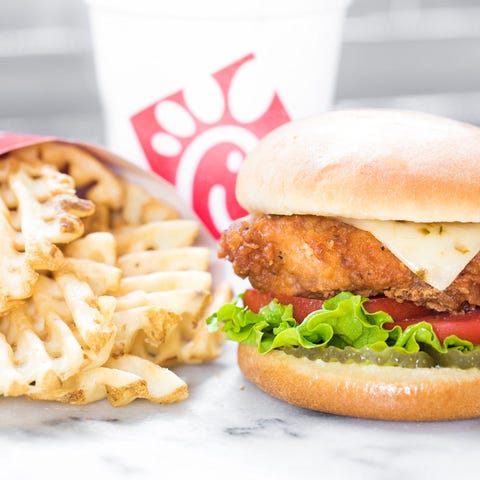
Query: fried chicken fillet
318	257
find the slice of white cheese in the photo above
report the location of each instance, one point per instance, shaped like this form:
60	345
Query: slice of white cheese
437	252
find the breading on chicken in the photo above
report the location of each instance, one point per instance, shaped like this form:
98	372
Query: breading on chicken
318	257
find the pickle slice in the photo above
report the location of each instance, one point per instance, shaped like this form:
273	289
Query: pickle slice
390	356
456	359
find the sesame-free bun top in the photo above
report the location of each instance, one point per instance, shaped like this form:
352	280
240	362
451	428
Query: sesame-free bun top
366	164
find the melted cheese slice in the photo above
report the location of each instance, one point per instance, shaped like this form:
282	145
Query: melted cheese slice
437	252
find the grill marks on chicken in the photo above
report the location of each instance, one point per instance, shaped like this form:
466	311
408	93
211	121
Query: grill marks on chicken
319	257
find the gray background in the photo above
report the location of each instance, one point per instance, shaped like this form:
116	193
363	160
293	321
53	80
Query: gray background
416	54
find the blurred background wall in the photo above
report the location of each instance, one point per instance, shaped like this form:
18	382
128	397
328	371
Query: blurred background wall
415	54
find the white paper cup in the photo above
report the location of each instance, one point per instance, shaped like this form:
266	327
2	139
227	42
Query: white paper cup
181	79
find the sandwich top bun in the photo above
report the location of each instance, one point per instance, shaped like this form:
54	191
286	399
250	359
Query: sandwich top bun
379	165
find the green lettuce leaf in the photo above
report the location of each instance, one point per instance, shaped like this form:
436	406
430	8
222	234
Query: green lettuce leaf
341	322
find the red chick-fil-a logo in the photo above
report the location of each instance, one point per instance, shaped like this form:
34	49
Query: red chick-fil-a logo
198	137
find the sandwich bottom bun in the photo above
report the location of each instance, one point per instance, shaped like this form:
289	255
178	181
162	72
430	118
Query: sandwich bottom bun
368	391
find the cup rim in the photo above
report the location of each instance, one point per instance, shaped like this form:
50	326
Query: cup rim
221	9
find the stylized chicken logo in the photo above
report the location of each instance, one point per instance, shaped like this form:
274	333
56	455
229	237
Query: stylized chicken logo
198	137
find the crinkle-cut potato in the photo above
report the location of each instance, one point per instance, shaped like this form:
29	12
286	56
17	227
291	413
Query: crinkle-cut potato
91	314
49	338
121	380
102	277
190	342
89	317
101	285
168	260
97	246
156	235
140	207
152	321
17	274
99	221
100	185
39	209
166	281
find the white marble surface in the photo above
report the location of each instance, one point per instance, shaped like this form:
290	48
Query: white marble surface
229	429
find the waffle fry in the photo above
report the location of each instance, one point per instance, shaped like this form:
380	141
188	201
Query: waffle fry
185	302
48	207
94	304
38	210
89	317
155	236
91	314
141	208
98	246
190	342
104	279
26	360
100	220
121	380
17	275
160	268
41	345
168	260
99	184
153	322
166	281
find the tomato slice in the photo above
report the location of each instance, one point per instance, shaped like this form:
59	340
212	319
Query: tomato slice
397	310
255	300
464	325
302	306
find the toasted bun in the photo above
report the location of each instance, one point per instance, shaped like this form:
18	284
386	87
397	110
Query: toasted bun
369	391
366	164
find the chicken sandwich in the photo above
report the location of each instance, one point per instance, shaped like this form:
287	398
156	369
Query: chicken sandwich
362	250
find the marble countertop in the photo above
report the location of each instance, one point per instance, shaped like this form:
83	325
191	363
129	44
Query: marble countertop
227	428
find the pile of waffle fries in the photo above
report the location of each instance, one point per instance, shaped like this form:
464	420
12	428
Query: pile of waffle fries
101	288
